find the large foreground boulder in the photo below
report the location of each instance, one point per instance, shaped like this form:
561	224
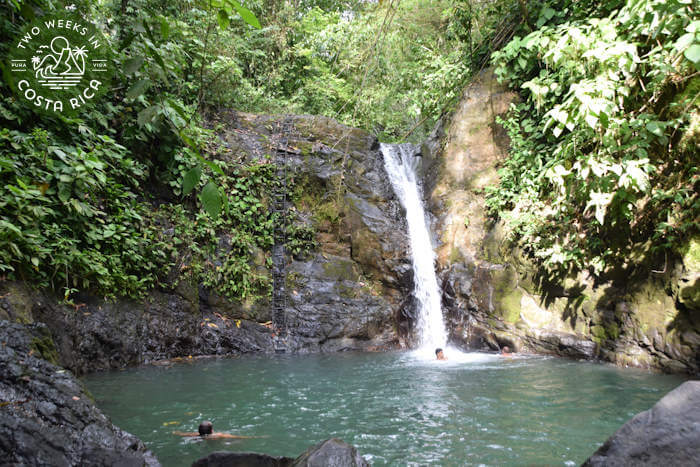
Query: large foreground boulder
666	434
46	417
332	452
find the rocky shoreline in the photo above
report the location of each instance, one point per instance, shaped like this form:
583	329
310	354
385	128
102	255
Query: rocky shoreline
47	416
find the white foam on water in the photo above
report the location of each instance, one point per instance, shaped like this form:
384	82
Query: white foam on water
453	355
400	163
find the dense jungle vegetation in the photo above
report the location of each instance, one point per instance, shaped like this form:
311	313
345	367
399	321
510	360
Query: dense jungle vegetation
604	142
603	167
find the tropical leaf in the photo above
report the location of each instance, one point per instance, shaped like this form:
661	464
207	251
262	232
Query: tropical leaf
191	180
211	200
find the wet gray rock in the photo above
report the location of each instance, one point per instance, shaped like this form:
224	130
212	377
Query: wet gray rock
47	418
103	334
241	459
351	292
666	434
332	452
331	308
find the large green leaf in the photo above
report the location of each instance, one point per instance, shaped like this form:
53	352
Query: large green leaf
223	19
193	146
164	27
132	65
147	115
692	53
246	14
211	199
191	179
138	88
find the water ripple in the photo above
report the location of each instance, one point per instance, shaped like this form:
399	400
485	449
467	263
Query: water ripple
397	408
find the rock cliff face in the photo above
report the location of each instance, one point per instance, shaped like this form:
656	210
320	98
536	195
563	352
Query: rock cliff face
347	294
47	418
647	315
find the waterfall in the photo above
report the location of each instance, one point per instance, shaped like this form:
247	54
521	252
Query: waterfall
400	163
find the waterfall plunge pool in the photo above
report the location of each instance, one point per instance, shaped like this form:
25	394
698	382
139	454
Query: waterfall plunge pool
398	408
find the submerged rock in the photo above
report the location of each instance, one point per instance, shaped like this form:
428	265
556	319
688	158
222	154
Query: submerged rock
46	417
666	434
331	452
241	459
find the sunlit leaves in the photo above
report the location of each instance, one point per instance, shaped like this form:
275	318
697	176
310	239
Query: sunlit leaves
599	201
692	53
598	145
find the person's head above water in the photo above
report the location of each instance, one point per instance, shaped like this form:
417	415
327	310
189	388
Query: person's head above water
205	428
440	354
505	351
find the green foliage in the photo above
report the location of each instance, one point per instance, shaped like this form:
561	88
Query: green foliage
385	67
301	240
604	146
219	251
111	201
68	221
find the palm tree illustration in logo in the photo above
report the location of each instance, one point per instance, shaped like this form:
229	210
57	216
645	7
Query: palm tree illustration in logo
63	67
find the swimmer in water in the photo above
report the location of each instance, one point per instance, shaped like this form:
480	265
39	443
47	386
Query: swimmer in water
505	351
439	354
206	431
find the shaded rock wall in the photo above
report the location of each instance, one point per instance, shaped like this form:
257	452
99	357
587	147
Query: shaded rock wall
47	418
99	334
645	315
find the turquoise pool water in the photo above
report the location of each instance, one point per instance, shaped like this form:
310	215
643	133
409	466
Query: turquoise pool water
397	408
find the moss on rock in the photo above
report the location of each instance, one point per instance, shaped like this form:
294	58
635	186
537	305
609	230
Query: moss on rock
45	348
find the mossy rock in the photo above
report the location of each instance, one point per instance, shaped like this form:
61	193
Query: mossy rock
691	257
340	269
598	334
689	292
44	347
510	306
506	295
19	300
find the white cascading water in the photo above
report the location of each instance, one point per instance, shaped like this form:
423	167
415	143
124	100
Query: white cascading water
400	163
